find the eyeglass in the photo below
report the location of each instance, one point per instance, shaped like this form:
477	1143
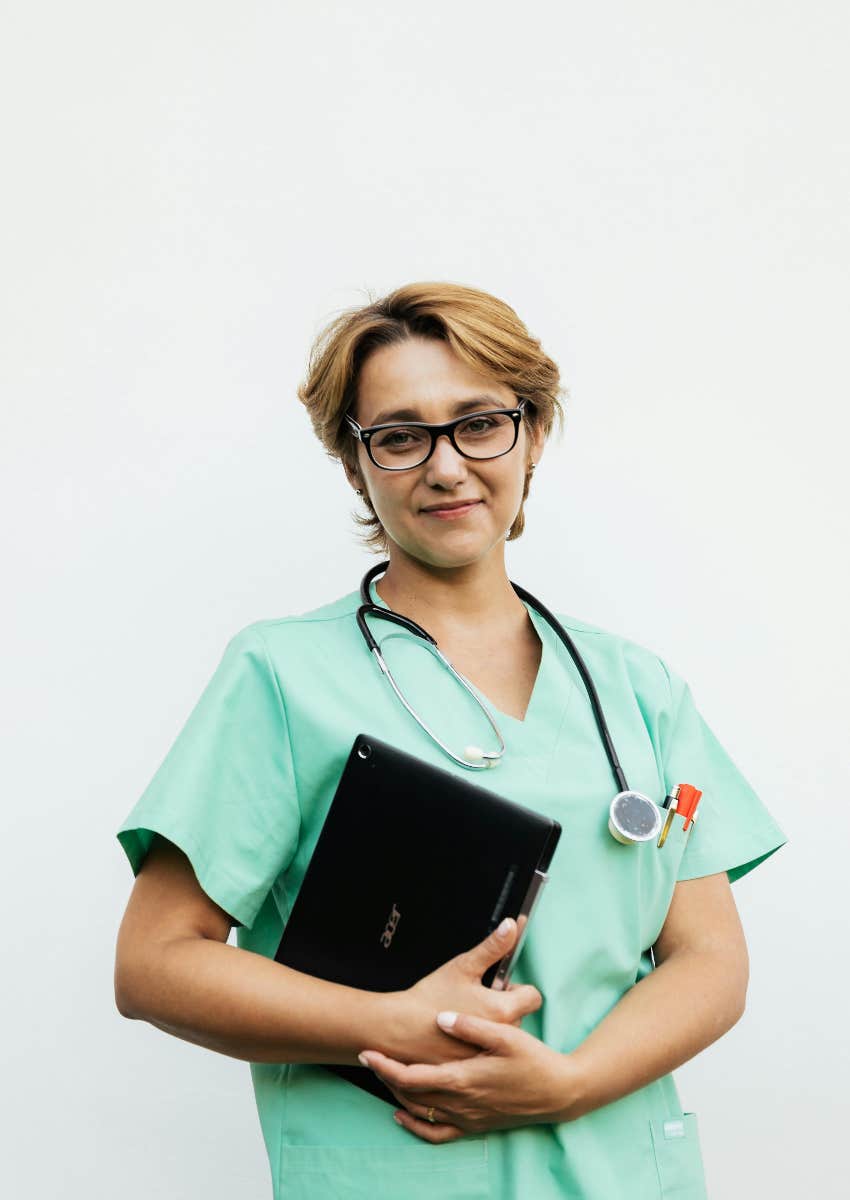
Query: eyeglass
398	447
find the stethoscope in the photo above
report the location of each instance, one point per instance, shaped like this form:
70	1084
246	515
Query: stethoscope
632	817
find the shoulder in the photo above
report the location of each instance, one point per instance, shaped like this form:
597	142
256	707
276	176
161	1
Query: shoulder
289	639
618	658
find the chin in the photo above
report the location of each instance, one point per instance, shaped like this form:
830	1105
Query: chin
448	551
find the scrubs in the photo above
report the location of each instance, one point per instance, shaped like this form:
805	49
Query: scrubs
244	791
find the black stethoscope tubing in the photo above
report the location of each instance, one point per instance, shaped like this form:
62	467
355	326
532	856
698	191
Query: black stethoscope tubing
388	614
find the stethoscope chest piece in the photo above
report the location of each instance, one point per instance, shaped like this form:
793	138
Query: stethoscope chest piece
633	818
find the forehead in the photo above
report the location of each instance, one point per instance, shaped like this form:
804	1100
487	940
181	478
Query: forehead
425	375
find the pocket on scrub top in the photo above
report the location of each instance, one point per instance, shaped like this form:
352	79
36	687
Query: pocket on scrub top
675	1143
456	1170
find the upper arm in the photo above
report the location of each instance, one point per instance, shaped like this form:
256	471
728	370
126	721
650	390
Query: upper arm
703	918
167	903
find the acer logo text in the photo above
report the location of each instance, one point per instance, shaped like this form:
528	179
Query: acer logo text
392	923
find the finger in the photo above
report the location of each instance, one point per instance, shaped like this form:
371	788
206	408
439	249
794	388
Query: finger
436	1133
522	1000
493	948
418	1103
398	1095
489	1035
421	1109
405	1099
511	1014
413	1077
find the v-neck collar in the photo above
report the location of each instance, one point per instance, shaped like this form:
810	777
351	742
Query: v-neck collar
549	697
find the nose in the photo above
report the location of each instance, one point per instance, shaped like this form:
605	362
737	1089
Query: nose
445	467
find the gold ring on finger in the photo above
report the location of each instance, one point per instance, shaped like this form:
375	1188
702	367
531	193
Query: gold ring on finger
430	1114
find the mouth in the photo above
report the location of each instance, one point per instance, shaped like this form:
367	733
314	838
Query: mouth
455	508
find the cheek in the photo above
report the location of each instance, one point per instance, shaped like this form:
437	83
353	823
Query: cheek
389	498
506	486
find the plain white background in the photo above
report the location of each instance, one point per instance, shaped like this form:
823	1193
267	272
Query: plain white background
191	191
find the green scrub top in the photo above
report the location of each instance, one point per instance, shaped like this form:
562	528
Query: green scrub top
244	791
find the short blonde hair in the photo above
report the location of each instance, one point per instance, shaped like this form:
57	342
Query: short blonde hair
481	329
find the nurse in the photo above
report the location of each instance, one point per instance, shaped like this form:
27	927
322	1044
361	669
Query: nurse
635	960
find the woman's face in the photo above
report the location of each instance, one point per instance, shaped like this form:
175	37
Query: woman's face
424	380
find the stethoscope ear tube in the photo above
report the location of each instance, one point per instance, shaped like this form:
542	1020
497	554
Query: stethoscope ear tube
595	704
478	759
388	615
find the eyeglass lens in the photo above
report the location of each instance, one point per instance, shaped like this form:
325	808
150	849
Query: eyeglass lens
479	437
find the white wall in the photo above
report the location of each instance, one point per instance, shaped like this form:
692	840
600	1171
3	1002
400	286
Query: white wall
191	190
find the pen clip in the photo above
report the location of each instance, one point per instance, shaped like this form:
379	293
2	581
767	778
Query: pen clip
686	803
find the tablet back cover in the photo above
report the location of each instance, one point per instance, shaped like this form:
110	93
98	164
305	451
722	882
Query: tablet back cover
413	865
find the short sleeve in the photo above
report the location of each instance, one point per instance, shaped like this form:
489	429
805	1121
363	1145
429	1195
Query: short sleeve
226	792
734	831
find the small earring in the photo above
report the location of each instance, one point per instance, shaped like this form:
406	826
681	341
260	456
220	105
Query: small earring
531	467
359	491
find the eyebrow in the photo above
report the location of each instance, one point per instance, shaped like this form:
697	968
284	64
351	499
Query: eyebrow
410	414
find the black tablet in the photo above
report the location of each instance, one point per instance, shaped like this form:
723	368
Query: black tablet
413	865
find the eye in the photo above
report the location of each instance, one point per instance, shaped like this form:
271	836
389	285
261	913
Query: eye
394	437
400	438
478	425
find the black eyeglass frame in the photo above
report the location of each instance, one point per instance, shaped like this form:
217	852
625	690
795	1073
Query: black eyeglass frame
364	433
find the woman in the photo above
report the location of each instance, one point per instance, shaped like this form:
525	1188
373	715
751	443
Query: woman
635	959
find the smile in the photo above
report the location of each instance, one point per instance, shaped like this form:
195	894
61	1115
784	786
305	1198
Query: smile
448	514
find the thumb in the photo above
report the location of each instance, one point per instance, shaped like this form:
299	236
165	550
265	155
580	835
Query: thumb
494	947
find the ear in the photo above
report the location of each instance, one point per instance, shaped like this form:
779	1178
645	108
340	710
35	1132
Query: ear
536	442
353	476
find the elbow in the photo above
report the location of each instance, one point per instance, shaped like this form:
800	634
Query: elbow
737	974
124	1008
123	1000
125	1005
141	977
131	974
738	1008
743	979
741	1006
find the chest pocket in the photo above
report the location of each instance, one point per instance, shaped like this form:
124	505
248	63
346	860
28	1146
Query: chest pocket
456	1170
675	1144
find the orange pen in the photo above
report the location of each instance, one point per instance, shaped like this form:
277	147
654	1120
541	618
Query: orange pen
683	800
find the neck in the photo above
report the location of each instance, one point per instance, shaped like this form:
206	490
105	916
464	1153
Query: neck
477	593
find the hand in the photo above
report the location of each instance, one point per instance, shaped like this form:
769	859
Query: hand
516	1080
413	1036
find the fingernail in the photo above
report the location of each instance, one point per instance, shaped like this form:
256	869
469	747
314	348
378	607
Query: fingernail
504	927
397	1119
446	1019
364	1060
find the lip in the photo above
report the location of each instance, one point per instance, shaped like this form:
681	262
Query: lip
456	508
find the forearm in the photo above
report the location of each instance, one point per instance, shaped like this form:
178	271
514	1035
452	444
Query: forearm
253	1008
685	1004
